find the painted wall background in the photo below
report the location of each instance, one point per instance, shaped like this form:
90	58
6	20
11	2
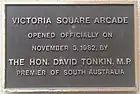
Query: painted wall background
1	92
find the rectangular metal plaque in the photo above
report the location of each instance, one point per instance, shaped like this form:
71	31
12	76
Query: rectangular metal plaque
71	47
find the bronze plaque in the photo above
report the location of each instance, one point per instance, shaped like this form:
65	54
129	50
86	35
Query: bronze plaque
71	47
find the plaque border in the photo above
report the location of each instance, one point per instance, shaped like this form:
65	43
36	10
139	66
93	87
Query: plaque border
74	89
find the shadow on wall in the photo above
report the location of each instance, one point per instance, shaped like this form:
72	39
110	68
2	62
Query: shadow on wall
79	93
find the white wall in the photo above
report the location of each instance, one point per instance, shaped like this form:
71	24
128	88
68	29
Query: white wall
57	1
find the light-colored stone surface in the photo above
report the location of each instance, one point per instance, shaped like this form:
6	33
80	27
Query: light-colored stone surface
57	1
31	0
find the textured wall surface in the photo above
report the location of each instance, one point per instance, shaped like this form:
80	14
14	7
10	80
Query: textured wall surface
58	1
